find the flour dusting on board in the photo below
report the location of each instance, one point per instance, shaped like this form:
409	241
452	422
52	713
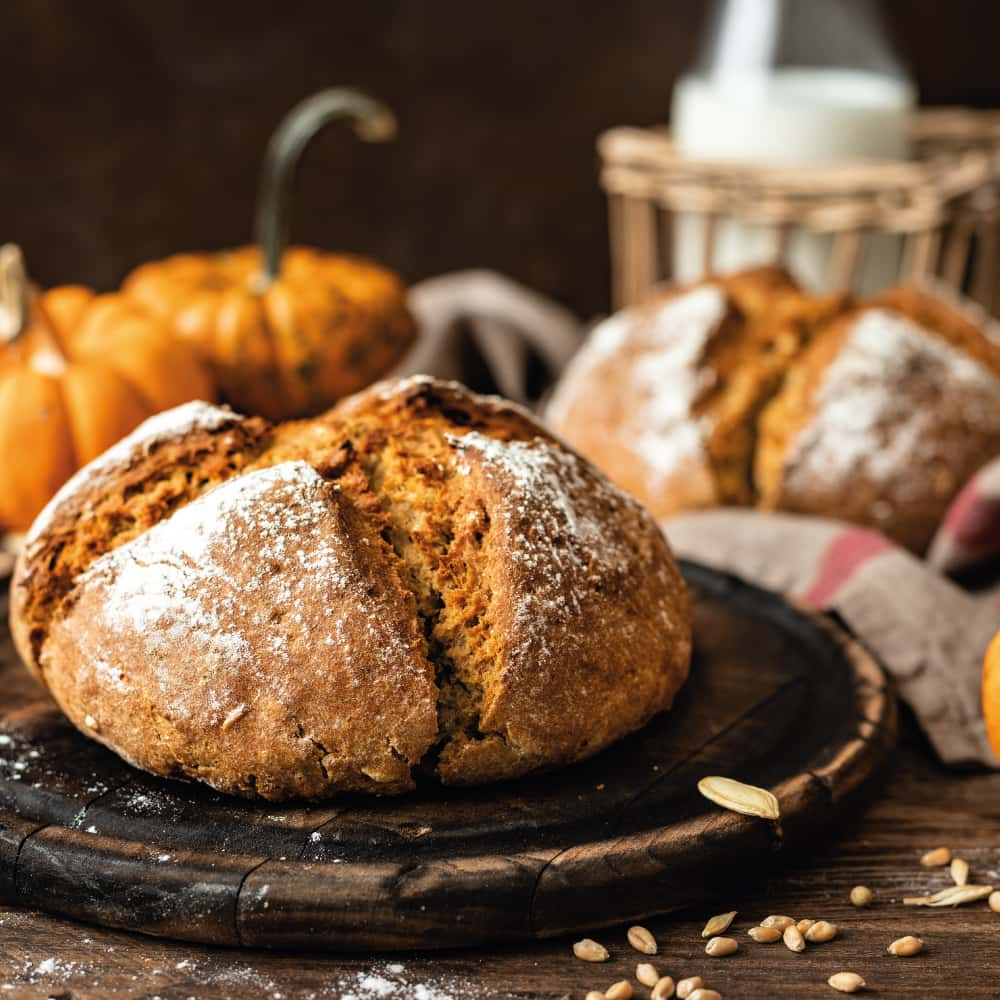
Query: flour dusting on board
175	422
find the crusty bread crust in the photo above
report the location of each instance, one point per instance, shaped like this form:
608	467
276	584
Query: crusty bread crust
420	581
875	412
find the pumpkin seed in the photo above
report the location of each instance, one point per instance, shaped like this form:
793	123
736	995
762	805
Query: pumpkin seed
821	931
621	990
647	974
861	895
664	989
954	895
590	951
642	940
846	982
739	797
959	871
687	986
719	947
794	941
904	947
765	935
937	858
718	924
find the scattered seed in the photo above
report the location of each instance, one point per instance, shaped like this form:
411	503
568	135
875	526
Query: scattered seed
959	871
776	920
847	982
738	797
590	951
719	947
621	990
804	925
821	931
664	989
954	895
861	895
937	858
687	986
642	940
647	974
594	995
765	935
995	902
905	946
702	994
718	925
794	941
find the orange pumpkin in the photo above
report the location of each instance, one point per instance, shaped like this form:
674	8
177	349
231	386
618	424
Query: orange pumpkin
991	693
287	332
78	371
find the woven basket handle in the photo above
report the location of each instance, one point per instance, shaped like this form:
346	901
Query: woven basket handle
372	121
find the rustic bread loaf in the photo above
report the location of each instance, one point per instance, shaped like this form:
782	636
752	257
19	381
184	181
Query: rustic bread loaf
421	580
745	390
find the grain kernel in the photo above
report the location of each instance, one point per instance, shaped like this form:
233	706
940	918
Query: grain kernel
719	947
905	946
959	871
954	895
847	982
794	941
804	925
642	940
995	901
718	924
590	951
821	931
687	986
664	989
702	994
776	920
647	974
621	990
594	995
937	858
765	935
861	895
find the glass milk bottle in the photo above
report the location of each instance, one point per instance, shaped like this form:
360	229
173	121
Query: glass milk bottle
792	82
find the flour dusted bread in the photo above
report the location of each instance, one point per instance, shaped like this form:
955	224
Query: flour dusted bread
421	580
745	390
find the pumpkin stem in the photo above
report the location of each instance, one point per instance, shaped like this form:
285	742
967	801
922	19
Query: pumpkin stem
372	121
14	293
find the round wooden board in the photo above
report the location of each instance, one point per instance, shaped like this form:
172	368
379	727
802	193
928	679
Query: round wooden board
777	697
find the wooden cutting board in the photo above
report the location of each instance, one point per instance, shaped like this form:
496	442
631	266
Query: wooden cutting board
777	697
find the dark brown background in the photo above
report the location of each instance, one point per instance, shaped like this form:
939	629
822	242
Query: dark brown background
133	129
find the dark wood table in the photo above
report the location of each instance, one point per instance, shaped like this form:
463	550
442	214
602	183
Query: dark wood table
921	806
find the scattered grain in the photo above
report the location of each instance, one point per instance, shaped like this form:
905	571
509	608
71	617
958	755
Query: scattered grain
861	895
776	920
959	871
647	974
904	947
622	990
847	982
720	947
703	994
794	941
937	858
954	895
590	951
594	995
739	797
765	935
664	989
995	902
687	986
642	940
718	924
804	925
821	931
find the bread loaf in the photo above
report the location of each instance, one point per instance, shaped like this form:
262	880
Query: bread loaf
420	581
747	391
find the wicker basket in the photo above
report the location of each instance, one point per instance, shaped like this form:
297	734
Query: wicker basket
944	205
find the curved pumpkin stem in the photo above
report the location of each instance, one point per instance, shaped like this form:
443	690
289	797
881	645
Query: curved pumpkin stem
373	122
15	293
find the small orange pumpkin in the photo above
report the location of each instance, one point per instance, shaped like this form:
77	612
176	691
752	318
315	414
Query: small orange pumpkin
78	371
288	332
991	693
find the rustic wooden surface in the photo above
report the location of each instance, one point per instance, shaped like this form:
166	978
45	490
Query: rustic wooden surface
778	697
921	806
